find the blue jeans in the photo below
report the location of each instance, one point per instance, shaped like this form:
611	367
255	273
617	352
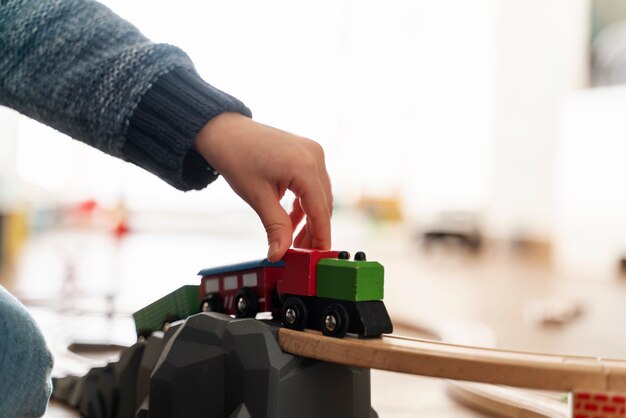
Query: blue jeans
25	362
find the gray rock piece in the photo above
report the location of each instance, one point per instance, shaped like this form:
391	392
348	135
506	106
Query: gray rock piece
142	411
189	378
240	412
100	393
126	371
151	353
217	366
66	390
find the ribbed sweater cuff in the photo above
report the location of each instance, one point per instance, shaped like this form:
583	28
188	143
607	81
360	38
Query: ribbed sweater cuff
165	123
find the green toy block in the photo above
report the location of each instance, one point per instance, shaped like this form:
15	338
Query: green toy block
181	303
350	280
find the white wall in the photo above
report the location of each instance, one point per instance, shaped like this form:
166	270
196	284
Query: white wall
542	55
400	94
451	103
416	102
591	202
8	147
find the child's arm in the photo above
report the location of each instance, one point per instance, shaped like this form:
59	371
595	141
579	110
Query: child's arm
76	66
260	163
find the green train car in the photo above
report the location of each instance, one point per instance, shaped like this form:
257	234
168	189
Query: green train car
177	305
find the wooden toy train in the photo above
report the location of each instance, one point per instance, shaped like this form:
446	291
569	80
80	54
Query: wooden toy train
316	289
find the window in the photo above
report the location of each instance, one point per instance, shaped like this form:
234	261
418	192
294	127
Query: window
230	283
211	286
250	280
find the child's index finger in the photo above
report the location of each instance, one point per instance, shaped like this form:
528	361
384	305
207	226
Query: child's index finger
315	207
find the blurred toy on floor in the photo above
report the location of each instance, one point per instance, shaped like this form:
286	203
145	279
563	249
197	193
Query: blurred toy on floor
381	208
553	311
453	230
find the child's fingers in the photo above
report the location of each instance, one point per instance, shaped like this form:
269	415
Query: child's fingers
315	206
298	242
277	225
325	178
307	238
296	214
318	155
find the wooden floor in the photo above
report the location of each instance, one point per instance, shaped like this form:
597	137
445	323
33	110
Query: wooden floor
81	285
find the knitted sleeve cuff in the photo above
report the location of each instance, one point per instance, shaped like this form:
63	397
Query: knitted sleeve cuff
165	123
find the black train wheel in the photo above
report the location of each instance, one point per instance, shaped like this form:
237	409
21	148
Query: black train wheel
335	321
212	303
143	334
294	313
168	321
245	303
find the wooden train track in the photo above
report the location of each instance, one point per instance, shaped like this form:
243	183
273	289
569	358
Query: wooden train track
437	359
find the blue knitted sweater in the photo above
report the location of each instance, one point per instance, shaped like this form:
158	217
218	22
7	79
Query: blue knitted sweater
79	68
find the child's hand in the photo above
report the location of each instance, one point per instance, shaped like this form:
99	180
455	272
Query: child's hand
260	163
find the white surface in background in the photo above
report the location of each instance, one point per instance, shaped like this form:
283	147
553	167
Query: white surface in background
590	199
542	54
8	144
449	103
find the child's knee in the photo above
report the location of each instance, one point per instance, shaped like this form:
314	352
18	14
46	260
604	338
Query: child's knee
39	375
25	362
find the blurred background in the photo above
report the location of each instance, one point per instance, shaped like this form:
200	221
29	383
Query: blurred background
475	149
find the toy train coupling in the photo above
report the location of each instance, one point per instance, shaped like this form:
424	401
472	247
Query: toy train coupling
359	256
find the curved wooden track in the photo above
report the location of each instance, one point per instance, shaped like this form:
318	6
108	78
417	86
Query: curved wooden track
431	358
